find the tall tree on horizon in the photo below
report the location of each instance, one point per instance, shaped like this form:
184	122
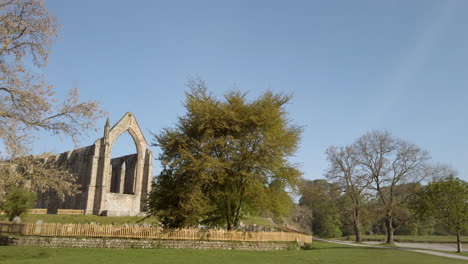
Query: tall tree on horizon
344	170
395	168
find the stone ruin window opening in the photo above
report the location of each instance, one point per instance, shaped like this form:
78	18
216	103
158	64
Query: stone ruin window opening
123	163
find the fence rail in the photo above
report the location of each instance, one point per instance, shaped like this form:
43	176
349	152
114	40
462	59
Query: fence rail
37	211
70	212
117	231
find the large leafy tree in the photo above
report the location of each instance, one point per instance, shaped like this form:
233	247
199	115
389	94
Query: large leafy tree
225	158
447	201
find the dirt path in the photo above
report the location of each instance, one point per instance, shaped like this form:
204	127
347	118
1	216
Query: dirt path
435	253
421	245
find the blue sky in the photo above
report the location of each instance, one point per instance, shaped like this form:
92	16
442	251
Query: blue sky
352	66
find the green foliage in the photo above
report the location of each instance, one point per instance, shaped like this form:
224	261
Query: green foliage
330	227
17	201
321	197
225	158
447	201
418	227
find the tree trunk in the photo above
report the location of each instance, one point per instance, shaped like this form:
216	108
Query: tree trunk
357	225
459	243
228	223
389	227
227	205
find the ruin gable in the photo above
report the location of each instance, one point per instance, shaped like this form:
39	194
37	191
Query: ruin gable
107	186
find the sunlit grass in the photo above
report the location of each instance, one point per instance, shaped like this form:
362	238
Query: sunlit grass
86	219
422	239
320	252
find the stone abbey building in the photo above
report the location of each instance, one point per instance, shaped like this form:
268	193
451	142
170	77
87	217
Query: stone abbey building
107	186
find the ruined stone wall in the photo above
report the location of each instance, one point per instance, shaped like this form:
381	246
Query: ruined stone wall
119	204
107	186
123	174
79	163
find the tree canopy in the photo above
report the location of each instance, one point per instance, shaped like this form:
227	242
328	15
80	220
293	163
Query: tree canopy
322	198
225	158
344	170
27	102
447	201
395	168
379	166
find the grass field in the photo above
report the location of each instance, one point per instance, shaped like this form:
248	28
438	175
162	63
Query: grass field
427	239
320	253
257	221
85	219
120	220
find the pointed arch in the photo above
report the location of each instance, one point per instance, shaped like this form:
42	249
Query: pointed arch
128	123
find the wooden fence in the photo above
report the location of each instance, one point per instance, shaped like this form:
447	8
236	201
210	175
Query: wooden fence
37	211
117	231
70	212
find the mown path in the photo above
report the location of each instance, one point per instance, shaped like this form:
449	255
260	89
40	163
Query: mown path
430	252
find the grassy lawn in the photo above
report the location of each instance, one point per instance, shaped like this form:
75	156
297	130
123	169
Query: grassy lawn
428	239
84	219
258	221
118	220
320	253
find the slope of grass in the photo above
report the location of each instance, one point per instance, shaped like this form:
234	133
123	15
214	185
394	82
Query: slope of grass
118	220
423	239
320	253
257	221
85	219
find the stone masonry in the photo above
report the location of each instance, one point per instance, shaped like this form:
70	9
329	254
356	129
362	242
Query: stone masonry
58	242
112	187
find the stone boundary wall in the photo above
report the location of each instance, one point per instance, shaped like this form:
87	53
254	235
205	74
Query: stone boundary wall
59	242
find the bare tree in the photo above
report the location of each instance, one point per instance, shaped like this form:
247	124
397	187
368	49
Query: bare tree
39	174
302	216
27	102
345	171
395	168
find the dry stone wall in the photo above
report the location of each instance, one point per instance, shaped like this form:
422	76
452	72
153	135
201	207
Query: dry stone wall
56	242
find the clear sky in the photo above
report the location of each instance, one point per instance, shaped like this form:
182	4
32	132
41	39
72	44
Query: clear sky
352	66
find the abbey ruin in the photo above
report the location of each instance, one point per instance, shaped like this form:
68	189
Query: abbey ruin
107	186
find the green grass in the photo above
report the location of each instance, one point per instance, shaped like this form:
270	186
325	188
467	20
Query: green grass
258	221
118	220
426	239
320	253
85	219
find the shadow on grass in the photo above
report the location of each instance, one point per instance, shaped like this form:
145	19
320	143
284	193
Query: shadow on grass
27	256
342	247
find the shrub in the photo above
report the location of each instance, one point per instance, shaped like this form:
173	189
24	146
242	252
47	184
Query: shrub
17	201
